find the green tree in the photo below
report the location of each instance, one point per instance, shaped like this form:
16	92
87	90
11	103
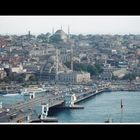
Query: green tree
6	80
130	76
33	78
20	79
17	77
93	70
114	77
98	67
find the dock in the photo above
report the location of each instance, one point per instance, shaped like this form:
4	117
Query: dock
71	107
88	95
47	120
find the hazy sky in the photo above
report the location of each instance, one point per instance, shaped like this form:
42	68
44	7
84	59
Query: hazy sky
78	24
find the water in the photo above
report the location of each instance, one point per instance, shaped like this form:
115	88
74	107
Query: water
14	98
11	99
99	108
96	109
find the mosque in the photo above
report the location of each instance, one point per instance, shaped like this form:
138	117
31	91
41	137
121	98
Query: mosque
55	70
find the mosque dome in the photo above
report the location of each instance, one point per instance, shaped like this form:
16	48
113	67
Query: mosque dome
60	34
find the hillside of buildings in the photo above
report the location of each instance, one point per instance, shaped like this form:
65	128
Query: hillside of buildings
67	58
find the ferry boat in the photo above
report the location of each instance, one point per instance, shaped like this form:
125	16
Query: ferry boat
3	92
109	120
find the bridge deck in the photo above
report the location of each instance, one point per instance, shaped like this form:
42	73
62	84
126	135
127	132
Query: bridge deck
23	109
87	95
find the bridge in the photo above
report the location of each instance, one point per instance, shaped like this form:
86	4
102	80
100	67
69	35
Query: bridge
22	112
24	109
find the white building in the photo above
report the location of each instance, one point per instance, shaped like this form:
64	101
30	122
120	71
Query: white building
18	69
114	51
74	77
82	77
120	73
43	51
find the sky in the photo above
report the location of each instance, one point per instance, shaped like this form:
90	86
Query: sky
78	24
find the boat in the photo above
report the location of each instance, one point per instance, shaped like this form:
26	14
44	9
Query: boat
9	92
3	92
109	120
121	104
108	90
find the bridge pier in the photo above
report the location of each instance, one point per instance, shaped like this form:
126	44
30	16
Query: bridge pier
69	101
28	118
44	113
29	96
0	105
32	95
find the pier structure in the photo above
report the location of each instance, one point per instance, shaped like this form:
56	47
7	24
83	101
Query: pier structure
69	100
45	109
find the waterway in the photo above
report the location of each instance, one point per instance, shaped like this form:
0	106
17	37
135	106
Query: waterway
96	109
101	107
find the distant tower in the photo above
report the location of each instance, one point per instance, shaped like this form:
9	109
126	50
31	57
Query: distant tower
68	32
71	48
56	60
29	33
61	27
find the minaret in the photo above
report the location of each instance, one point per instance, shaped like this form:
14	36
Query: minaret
71	58
56	60
71	48
57	64
29	34
61	27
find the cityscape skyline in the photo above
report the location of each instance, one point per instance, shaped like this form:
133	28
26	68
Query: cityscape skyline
78	24
44	77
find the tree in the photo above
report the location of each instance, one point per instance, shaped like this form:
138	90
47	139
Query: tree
130	76
114	77
20	79
33	78
17	77
98	67
93	70
6	79
44	37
